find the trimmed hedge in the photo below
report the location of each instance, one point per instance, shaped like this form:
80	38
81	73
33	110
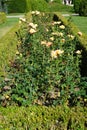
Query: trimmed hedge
83	8
76	5
43	118
21	6
40	5
74	29
2	17
8	43
43	6
17	6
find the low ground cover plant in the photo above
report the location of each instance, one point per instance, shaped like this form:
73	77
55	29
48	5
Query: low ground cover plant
46	69
8	43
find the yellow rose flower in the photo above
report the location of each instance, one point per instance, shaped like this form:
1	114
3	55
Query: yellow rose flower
52	38
62	27
62	40
32	31
78	52
17	52
48	44
34	26
7	97
56	53
60	34
43	42
53	54
35	12
59	52
55	33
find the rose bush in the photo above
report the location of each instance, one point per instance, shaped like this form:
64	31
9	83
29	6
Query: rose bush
45	70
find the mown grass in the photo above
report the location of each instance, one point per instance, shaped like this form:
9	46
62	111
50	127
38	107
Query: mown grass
80	22
5	27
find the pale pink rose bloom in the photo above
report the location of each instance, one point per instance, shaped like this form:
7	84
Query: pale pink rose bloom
80	33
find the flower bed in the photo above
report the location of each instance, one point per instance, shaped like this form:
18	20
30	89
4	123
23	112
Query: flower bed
46	67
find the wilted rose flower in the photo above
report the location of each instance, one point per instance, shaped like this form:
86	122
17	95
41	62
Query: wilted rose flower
63	40
62	27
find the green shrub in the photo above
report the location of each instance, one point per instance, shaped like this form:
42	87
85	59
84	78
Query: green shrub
2	17
83	8
43	118
18	6
77	5
28	7
39	5
58	7
10	45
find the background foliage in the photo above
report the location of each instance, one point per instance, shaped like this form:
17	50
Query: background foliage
83	8
80	7
18	6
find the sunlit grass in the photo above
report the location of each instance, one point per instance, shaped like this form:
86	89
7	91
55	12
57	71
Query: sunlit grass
80	22
5	27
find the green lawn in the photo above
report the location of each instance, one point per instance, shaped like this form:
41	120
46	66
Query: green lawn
5	27
80	22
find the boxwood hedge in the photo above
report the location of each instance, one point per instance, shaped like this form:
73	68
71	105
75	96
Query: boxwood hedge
17	6
2	17
43	118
